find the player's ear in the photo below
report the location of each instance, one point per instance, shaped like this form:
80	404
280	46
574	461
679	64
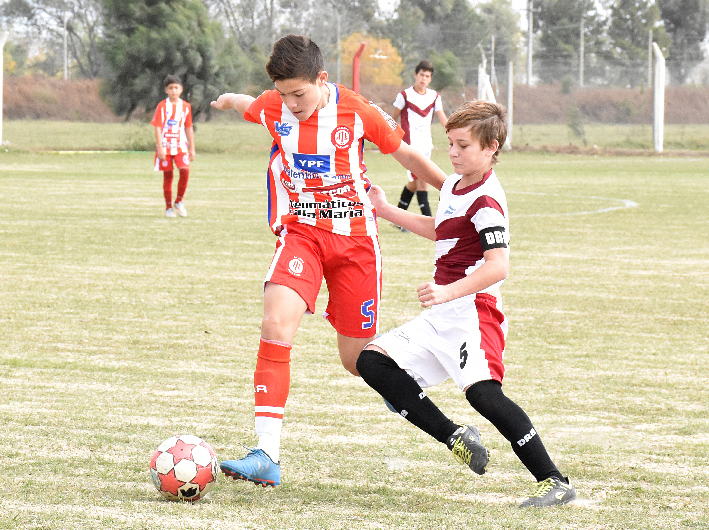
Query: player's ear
322	78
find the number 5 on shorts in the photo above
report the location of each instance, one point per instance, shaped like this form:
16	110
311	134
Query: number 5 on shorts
368	313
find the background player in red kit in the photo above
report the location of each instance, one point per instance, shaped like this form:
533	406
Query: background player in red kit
416	106
174	142
326	227
462	335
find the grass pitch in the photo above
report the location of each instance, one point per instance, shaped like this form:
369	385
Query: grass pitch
120	328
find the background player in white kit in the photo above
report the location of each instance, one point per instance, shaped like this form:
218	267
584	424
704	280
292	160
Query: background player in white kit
462	335
416	106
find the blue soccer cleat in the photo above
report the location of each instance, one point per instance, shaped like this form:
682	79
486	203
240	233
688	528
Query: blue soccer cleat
255	467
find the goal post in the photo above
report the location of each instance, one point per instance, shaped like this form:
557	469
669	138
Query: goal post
658	99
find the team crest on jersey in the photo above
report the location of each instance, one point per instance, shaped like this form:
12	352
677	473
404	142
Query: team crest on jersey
172	122
342	137
283	129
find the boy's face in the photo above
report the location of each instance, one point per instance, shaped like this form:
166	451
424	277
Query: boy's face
466	154
174	91
302	97
422	80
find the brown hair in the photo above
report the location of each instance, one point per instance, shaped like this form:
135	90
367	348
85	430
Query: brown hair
424	65
172	79
487	122
295	57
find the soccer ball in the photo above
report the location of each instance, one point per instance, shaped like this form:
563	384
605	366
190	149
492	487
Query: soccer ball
184	468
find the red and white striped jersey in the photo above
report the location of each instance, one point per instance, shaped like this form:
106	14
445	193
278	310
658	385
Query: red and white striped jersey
417	112
173	119
463	217
316	173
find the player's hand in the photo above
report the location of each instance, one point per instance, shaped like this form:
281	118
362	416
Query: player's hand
431	294
161	154
192	155
377	196
224	102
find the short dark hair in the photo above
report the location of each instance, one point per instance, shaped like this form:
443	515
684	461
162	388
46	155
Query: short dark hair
424	65
171	79
295	57
487	122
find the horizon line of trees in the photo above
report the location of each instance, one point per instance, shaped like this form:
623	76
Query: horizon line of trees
218	45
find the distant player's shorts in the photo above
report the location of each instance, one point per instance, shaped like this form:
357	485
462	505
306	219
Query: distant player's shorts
351	266
425	152
463	339
181	160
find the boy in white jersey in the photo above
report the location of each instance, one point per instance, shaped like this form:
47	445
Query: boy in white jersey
416	106
462	335
319	209
174	142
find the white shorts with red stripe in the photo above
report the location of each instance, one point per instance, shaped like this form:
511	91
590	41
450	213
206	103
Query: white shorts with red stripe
463	339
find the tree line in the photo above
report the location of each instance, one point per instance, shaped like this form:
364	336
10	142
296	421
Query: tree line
218	45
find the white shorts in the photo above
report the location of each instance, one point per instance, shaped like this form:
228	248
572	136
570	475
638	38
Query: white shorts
425	151
463	339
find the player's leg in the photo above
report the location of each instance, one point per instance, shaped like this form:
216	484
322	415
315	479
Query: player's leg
183	164
167	192
407	193
284	306
422	197
410	365
513	423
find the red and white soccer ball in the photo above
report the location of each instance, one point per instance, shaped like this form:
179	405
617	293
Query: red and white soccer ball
184	468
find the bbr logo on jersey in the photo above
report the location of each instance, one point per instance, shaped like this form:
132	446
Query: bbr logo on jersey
312	163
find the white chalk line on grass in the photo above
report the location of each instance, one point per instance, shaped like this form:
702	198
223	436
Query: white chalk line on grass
624	203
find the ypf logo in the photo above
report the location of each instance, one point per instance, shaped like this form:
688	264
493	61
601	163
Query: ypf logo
342	137
296	266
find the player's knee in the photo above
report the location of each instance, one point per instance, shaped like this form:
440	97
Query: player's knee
373	365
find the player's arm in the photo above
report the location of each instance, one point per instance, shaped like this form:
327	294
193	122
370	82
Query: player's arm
421	225
189	132
419	165
441	115
396	114
239	102
489	273
159	149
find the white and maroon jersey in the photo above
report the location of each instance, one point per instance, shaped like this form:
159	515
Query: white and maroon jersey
417	112
468	222
316	172
173	118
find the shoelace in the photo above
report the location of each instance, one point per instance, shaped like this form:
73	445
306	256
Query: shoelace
544	487
460	451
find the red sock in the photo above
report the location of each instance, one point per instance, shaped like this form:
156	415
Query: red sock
272	378
182	183
167	187
271	386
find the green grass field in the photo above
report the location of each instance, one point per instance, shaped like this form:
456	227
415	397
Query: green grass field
120	328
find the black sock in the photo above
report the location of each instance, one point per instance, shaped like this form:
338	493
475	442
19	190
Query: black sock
404	394
405	199
513	423
422	198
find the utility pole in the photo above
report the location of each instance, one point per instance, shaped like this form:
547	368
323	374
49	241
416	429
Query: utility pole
649	58
3	39
530	40
581	54
66	47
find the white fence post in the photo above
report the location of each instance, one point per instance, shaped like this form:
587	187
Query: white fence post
658	99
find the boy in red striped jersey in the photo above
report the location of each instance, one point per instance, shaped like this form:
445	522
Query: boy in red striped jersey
325	223
174	142
462	335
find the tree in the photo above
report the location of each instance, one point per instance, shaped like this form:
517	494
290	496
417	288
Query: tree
380	63
686	22
558	24
630	24
145	40
47	18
